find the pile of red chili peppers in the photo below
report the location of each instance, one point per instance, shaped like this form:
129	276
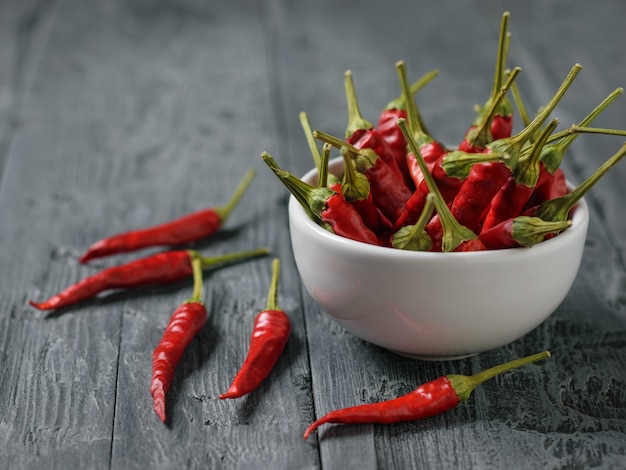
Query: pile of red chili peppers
493	190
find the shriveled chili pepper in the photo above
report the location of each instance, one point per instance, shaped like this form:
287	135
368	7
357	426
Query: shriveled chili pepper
495	119
269	337
446	233
389	192
414	237
186	229
186	321
160	268
429	148
356	190
361	133
520	231
388	127
324	206
529	173
430	399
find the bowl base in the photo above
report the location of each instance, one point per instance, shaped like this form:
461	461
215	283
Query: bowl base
425	357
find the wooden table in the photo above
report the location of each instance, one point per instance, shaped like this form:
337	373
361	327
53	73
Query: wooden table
122	114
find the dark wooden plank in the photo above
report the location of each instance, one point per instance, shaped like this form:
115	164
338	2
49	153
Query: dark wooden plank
523	418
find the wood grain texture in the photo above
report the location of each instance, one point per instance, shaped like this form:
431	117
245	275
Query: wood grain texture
121	114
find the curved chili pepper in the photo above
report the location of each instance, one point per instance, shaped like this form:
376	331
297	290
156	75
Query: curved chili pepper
389	192
430	399
361	133
414	237
269	337
186	321
520	231
186	229
324	206
388	125
160	268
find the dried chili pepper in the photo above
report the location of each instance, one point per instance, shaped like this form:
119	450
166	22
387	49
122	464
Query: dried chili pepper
389	191
186	321
361	133
414	237
388	127
160	268
446	233
324	206
186	229
269	337
430	399
520	231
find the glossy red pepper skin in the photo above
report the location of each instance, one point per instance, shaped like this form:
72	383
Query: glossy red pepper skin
501	126
430	399
269	337
391	133
186	229
185	323
449	186
371	139
389	192
412	209
499	236
344	220
431	152
371	215
554	187
160	268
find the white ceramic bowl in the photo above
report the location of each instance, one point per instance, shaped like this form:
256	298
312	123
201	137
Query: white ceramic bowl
434	306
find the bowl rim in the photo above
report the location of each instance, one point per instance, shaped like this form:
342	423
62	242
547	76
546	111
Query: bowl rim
580	220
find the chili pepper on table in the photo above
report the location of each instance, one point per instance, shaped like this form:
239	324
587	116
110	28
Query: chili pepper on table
389	192
324	206
186	229
429	148
430	399
160	268
388	127
269	337
361	133
446	233
186	321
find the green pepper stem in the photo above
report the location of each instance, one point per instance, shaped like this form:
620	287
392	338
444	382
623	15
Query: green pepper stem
519	103
559	208
400	103
453	232
355	185
528	231
413	115
364	158
322	180
210	261
458	164
356	121
527	170
272	296
198	283
502	53
224	212
308	133
414	237
464	385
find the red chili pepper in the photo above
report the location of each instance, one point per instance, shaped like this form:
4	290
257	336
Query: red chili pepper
520	231
430	399
269	337
446	233
186	229
414	237
160	268
529	173
324	206
388	127
389	192
361	133
356	190
187	320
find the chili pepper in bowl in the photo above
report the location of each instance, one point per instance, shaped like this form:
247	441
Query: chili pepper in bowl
520	231
361	133
186	229
332	181
430	399
186	321
389	192
414	237
160	268
269	337
388	127
324	206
